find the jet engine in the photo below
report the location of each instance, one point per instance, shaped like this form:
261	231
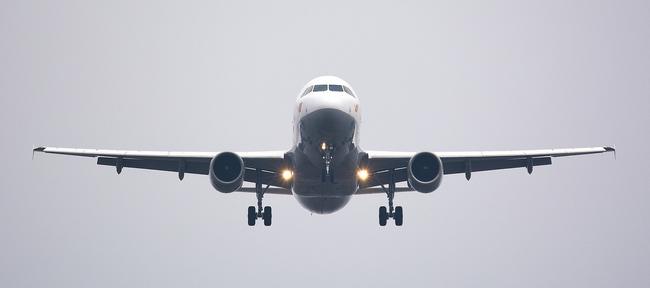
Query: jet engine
425	172
227	172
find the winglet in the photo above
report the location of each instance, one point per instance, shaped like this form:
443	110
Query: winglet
37	149
611	149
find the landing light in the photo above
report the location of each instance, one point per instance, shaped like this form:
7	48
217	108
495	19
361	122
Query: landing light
287	174
323	146
362	174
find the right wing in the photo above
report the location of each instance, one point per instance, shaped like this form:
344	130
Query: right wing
268	163
381	163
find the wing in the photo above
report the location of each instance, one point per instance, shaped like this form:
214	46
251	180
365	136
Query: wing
269	163
381	163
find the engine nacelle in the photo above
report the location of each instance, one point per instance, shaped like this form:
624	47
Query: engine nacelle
425	172
227	172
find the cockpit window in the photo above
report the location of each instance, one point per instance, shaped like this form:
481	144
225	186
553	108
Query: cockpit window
326	87
347	90
307	91
336	88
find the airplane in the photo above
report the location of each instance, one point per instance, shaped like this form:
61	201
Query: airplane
325	166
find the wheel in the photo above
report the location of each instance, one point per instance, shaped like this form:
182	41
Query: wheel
399	216
267	216
252	215
383	216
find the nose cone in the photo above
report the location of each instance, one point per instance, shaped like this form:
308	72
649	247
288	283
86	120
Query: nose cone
327	124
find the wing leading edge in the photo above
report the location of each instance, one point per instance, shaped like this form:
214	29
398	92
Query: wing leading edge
380	163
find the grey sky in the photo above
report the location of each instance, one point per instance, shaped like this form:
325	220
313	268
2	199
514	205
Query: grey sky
201	75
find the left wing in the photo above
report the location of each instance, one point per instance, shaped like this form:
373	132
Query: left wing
381	163
269	163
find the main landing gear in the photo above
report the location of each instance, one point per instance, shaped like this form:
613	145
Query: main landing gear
265	213
392	212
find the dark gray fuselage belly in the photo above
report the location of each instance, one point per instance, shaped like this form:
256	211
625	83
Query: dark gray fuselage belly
315	191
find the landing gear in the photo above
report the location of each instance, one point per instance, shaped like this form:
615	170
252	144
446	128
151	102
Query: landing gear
252	215
265	213
397	213
327	151
267	216
398	216
383	216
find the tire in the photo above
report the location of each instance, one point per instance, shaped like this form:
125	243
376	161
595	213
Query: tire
267	216
399	216
383	216
252	215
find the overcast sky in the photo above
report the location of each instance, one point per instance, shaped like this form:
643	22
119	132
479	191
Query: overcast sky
431	76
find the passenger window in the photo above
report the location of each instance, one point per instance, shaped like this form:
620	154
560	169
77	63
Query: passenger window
320	88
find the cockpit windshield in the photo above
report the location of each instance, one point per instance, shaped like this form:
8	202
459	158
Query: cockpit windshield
328	87
347	90
336	88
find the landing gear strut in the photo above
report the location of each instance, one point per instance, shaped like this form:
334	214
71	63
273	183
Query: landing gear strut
327	152
265	213
392	212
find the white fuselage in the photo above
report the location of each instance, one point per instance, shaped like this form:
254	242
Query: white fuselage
326	144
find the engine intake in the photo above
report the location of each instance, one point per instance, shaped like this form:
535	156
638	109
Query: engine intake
227	172
425	172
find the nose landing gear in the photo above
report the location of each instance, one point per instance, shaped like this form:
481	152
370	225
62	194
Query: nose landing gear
397	213
326	173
